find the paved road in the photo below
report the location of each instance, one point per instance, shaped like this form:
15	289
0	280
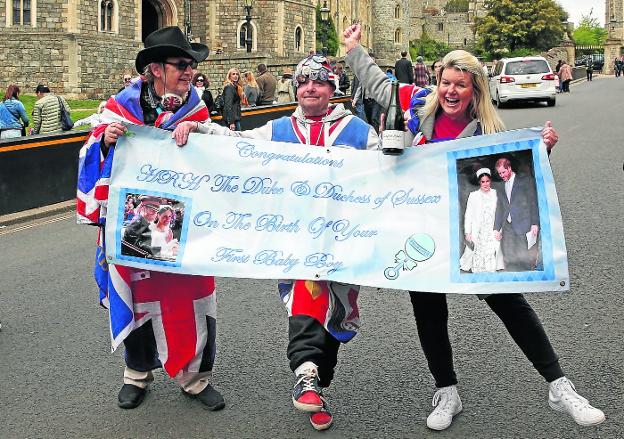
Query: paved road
58	379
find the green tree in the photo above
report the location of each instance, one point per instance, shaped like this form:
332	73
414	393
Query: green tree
589	31
520	24
428	48
456	6
326	32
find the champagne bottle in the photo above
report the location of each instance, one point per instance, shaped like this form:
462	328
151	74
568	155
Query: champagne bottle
393	135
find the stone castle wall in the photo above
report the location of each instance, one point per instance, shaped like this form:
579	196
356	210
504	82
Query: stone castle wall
66	50
453	29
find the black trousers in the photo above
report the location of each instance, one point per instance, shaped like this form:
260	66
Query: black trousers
521	321
308	340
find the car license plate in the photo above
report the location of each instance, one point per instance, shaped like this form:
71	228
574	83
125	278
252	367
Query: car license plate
528	85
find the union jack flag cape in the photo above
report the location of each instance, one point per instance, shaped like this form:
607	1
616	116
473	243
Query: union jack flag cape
178	342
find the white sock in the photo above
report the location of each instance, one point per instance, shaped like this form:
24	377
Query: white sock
307	365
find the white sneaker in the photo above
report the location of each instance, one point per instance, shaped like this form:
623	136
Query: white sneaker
447	404
562	397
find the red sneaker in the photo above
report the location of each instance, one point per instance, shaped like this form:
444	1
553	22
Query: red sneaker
322	420
307	392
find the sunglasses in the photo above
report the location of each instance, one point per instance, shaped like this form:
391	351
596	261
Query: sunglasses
200	80
183	65
127	79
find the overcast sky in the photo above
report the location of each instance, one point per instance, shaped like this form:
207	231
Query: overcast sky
577	8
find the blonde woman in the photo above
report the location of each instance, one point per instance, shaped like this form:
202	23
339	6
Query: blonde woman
251	88
461	106
462	98
233	96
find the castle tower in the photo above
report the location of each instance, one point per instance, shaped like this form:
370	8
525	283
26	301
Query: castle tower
614	19
391	28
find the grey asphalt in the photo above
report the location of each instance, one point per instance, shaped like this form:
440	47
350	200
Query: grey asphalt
58	378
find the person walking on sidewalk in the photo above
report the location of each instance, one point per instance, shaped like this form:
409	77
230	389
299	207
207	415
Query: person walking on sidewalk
47	111
403	69
148	309
267	85
322	315
565	76
460	107
589	69
13	118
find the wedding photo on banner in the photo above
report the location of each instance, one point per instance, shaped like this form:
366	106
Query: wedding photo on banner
475	215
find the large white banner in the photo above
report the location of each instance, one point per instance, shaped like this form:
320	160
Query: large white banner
258	209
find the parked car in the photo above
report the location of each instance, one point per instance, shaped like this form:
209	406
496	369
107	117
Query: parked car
597	60
527	78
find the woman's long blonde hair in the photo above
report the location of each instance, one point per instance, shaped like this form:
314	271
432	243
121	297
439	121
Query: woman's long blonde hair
481	107
250	79
238	85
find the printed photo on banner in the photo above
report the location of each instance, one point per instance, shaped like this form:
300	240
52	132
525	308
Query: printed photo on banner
152	227
498	214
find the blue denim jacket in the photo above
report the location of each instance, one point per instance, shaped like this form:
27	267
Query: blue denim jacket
11	111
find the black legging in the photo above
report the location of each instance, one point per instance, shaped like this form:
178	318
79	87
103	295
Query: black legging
521	321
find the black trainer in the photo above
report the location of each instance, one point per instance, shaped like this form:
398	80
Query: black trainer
130	396
210	397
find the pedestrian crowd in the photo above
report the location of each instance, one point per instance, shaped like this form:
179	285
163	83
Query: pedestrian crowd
248	89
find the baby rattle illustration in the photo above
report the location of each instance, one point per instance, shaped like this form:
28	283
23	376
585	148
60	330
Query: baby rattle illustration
418	248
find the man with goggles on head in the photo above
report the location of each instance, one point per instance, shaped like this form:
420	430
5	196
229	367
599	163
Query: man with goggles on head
185	349
313	341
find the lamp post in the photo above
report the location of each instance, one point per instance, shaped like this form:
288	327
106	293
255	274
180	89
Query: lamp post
248	40
324	18
187	20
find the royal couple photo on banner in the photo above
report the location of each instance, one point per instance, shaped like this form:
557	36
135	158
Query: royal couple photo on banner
151	227
499	218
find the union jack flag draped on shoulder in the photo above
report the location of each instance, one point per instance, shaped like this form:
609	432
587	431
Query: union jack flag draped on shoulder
115	282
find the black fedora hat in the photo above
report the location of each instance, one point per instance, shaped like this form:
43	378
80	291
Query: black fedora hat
168	42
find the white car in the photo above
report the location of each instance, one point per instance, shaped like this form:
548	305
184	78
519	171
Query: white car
527	78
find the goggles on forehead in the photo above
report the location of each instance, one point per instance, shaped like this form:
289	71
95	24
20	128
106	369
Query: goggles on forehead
315	68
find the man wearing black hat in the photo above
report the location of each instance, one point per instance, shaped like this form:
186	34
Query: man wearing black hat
161	97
